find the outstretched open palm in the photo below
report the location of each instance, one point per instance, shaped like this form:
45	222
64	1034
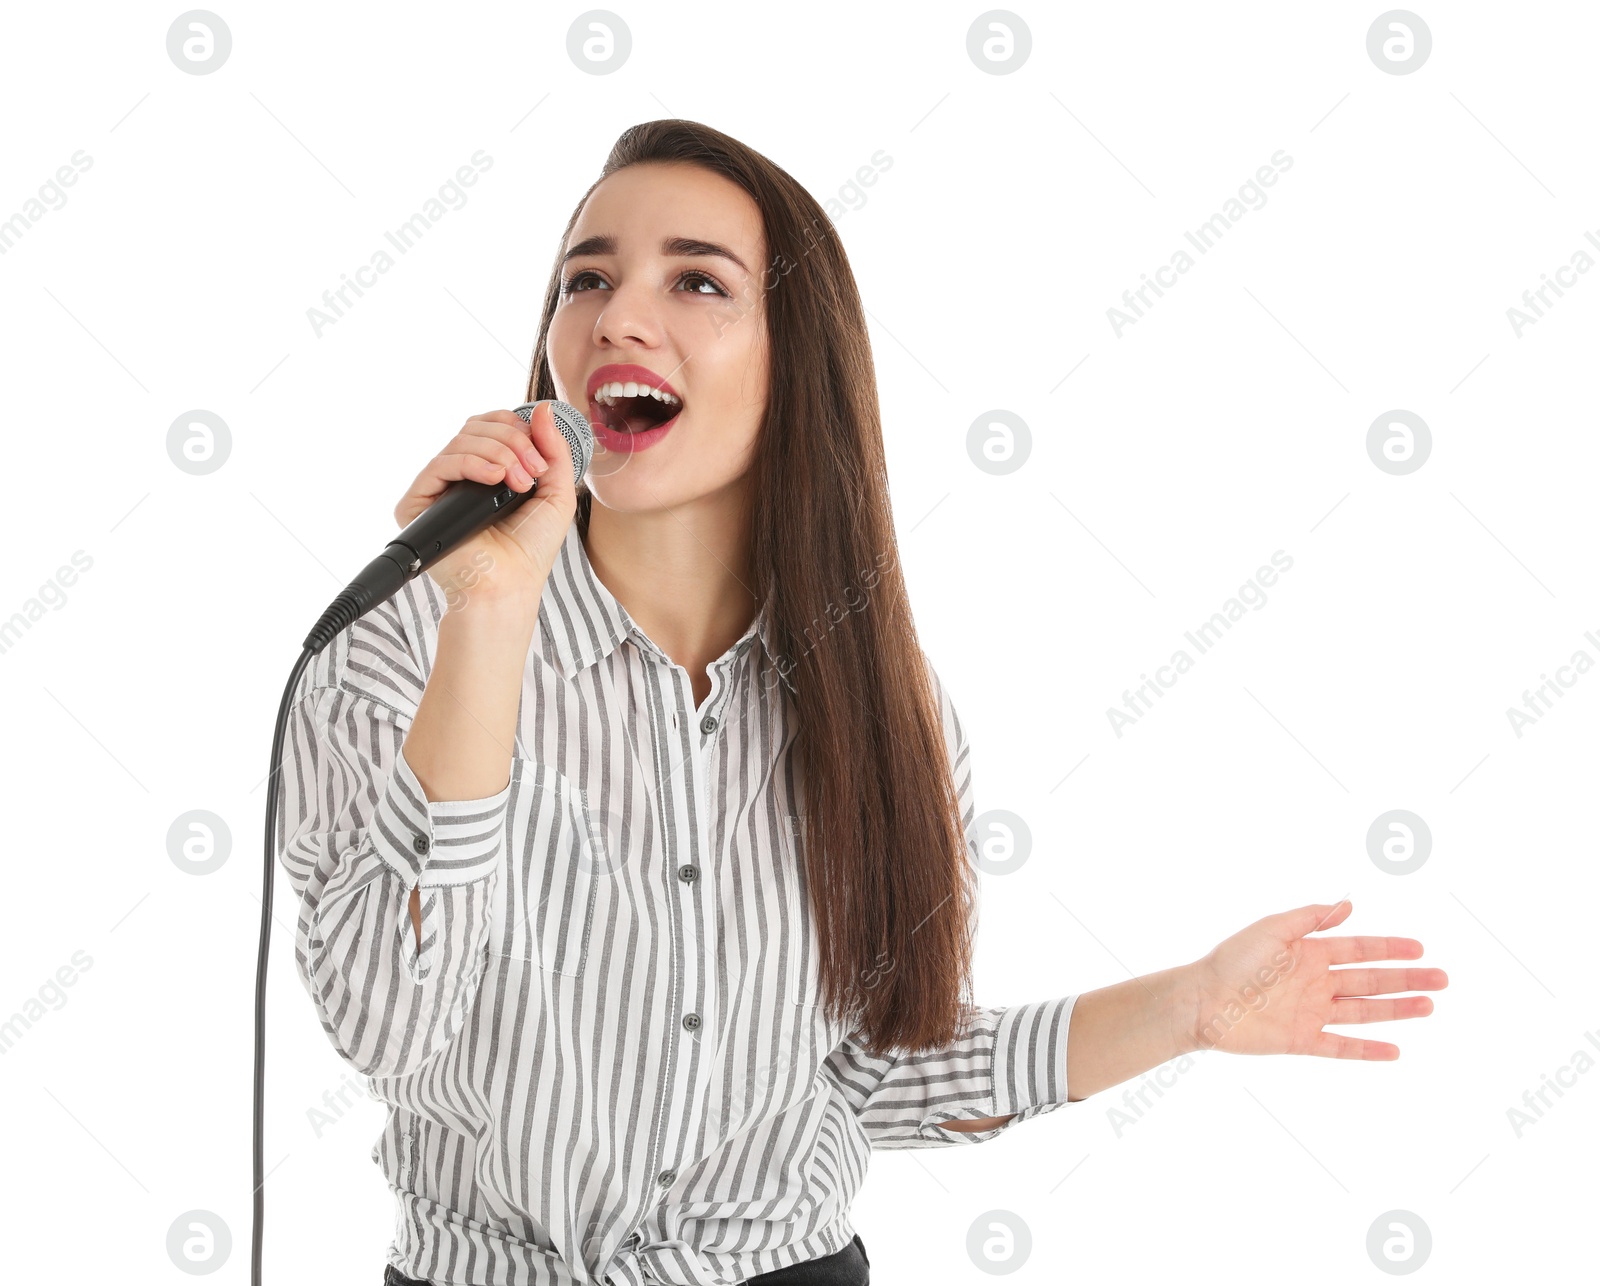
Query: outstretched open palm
1271	989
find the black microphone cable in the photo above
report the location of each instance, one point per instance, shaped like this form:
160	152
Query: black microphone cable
465	508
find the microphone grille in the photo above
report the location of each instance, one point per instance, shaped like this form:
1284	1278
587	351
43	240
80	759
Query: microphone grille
574	426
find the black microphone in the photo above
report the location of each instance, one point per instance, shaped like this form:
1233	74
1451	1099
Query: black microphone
464	509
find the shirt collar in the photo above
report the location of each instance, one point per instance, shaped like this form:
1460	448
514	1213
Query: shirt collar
584	622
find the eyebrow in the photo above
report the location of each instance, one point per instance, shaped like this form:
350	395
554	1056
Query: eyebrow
604	244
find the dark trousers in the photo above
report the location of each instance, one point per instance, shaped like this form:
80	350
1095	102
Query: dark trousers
845	1267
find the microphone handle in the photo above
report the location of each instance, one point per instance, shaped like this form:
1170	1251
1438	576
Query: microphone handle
465	509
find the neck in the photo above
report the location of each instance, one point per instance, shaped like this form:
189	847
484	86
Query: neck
683	574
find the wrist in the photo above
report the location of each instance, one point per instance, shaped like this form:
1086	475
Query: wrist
1187	1000
497	607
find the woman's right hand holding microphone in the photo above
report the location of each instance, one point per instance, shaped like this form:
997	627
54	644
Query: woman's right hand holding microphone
508	562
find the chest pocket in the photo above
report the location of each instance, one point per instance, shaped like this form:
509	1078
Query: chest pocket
543	907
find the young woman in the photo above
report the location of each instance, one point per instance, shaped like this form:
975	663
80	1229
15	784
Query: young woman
633	843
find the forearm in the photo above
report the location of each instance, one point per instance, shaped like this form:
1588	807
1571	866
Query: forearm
973	1127
461	740
1121	1031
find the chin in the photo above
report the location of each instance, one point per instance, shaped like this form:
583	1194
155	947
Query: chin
633	491
638	488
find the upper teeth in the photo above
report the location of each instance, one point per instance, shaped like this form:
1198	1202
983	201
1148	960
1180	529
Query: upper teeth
607	394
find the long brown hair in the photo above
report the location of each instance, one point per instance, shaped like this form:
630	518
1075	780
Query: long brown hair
886	871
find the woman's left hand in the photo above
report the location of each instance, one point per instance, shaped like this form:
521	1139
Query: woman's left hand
1270	989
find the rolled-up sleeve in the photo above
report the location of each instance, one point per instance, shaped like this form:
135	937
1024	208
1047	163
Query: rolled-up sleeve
356	834
1008	1060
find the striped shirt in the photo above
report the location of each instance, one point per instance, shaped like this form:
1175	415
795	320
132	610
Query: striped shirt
607	1062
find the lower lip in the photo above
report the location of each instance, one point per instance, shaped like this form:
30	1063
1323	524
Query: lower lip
611	440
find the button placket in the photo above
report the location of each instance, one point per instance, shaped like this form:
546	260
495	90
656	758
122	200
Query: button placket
686	780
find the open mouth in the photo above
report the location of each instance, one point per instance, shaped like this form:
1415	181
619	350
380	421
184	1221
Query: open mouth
624	413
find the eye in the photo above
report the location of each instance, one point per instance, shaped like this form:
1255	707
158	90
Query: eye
570	285
573	285
710	281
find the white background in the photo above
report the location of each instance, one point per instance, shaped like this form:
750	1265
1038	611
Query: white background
1227	423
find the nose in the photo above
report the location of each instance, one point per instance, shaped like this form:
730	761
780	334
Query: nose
629	318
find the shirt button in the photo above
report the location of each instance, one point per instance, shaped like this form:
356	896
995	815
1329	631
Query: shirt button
666	1177
709	723
420	844
691	1022
688	873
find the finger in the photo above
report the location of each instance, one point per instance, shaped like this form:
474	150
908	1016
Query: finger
442	470
1309	919
1328	1045
502	416
517	473
550	441
1353	950
512	432
486	470
1378	982
1360	1009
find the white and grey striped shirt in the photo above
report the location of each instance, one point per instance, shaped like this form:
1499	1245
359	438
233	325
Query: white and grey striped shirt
607	1063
